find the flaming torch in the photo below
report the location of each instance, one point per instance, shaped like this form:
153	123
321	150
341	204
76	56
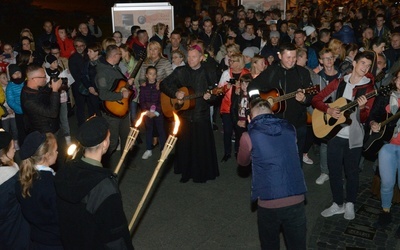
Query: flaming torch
169	145
133	134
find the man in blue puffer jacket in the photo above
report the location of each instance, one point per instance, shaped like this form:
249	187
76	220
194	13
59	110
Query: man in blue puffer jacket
278	182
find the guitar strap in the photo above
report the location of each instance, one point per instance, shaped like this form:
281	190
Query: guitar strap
119	71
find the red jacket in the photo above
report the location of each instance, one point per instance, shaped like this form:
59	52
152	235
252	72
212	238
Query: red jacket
318	100
66	47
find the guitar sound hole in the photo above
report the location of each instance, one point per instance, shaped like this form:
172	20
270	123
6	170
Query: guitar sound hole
178	106
332	121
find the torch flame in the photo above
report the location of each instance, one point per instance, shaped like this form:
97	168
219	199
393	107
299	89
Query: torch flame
139	121
71	149
177	123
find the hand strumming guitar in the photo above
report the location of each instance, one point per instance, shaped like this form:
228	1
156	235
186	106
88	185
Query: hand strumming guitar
207	96
179	95
125	93
375	127
334	112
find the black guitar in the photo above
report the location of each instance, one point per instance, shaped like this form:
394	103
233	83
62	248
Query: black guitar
375	141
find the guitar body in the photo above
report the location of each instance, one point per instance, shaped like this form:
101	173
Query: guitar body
170	105
119	108
324	125
375	141
276	107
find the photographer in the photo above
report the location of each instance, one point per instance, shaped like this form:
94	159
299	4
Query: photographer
40	101
53	72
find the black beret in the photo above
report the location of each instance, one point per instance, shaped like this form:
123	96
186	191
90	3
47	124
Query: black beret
5	139
31	144
93	132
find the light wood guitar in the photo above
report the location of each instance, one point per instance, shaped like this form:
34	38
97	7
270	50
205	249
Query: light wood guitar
170	105
277	97
325	126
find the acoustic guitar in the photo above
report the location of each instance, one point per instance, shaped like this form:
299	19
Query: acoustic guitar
277	97
170	105
325	126
375	141
120	108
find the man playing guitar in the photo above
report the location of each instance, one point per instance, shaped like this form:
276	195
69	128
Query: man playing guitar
107	73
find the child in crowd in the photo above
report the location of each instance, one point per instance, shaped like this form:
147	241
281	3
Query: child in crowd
150	100
13	97
240	107
36	192
14	229
8	121
178	58
53	70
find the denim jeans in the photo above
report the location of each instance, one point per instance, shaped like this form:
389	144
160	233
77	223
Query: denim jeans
293	221
323	158
341	156
158	123
389	163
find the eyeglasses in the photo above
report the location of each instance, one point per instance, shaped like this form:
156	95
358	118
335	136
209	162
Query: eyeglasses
328	58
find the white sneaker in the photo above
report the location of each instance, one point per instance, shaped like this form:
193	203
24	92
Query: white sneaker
332	210
349	211
322	178
307	160
147	154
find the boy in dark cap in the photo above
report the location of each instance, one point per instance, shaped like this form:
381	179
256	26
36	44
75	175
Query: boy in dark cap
88	198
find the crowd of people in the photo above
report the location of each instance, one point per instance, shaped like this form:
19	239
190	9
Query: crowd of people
232	61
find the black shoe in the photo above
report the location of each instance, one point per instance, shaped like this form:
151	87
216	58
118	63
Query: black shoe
385	218
226	157
215	127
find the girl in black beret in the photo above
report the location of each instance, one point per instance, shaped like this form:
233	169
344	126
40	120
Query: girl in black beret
35	190
14	229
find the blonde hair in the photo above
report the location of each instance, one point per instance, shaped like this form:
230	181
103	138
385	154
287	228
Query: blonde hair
235	47
28	173
239	57
254	60
32	42
157	27
108	41
158	46
334	45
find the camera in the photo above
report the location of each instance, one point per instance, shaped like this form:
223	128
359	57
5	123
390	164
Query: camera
232	81
55	79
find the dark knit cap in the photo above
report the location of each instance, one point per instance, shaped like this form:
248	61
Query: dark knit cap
31	144
5	139
93	132
12	68
49	59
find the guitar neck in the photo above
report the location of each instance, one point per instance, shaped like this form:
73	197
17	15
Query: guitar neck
192	96
285	97
136	69
355	103
393	117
